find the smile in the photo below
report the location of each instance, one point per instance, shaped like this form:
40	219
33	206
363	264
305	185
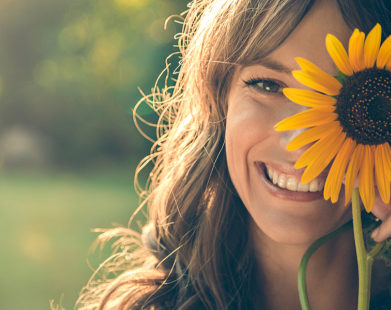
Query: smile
287	185
291	182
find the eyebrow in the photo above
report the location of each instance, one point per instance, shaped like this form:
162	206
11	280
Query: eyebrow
274	65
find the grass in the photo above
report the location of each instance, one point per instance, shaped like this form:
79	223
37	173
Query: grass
46	221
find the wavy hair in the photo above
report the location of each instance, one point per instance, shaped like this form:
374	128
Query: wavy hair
196	251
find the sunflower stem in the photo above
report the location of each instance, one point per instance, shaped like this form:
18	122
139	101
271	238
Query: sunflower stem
376	249
364	261
301	280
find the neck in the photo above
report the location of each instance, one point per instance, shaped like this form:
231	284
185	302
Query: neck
332	269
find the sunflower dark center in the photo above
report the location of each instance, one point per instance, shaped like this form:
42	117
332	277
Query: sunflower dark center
364	106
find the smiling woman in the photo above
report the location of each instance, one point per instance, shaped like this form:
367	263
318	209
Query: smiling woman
230	218
253	146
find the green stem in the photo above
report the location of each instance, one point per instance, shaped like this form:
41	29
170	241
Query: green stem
364	261
301	280
376	249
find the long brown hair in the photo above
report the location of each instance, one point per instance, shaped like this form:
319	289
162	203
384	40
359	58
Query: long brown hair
199	252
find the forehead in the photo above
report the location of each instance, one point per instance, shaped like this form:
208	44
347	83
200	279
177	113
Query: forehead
308	39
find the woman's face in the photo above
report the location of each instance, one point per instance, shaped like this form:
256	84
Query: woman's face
286	211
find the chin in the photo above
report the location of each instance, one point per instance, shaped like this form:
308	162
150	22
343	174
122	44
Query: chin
297	228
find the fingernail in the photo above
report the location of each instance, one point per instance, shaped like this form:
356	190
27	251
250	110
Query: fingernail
375	233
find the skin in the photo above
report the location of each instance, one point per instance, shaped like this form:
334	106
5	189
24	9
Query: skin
282	228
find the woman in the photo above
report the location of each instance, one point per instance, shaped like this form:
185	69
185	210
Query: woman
223	235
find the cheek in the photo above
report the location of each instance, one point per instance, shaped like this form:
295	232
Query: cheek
247	127
245	130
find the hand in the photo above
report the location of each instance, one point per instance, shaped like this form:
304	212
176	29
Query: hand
383	212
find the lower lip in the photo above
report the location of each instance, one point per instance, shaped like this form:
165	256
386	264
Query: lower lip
282	193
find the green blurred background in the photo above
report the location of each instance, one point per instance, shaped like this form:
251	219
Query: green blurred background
69	77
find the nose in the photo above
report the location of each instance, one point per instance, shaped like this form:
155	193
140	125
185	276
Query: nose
290	109
288	136
284	137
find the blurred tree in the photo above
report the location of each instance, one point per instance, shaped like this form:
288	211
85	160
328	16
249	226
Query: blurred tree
70	69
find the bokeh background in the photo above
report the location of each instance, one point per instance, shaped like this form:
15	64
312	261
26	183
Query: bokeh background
69	77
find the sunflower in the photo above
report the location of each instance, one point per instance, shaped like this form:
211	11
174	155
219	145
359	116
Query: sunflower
349	120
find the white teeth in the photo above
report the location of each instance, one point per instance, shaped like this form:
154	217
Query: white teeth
292	184
270	173
282	181
314	186
275	178
303	187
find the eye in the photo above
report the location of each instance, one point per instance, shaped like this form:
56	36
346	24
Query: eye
265	85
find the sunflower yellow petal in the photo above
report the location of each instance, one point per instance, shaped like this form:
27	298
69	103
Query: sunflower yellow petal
323	159
384	55
335	176
382	180
387	159
309	98
388	65
307	65
371	46
316	78
311	135
366	186
318	148
308	118
353	168
356	49
324	83
338	53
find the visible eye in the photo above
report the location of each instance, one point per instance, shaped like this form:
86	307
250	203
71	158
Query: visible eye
265	85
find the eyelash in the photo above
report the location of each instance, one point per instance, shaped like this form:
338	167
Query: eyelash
253	83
